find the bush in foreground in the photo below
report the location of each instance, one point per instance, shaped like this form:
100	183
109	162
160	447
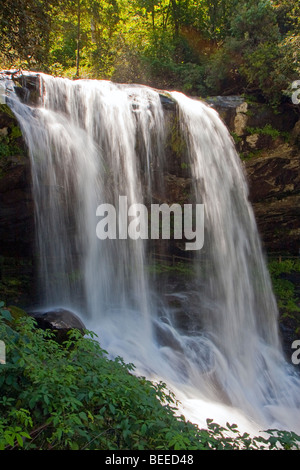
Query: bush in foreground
70	396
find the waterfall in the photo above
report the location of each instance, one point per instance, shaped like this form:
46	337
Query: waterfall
95	142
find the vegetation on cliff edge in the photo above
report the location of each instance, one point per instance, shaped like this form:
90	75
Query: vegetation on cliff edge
199	47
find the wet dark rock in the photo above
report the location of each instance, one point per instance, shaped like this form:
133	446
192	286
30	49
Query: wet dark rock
59	320
295	135
274	183
166	336
26	85
16	202
166	101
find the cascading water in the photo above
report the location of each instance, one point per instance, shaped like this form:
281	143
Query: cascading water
93	141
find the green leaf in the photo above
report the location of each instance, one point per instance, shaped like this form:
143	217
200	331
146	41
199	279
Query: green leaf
112	408
9	439
6	315
20	440
144	429
83	416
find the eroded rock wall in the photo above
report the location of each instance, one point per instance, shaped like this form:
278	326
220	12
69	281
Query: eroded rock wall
269	145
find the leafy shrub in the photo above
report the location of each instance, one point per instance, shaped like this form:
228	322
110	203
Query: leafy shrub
71	396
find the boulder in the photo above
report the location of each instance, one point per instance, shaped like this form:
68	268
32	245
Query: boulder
59	320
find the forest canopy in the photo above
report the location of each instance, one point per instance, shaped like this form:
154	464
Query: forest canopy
201	47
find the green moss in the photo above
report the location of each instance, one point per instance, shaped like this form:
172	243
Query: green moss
178	144
6	110
15	132
11	141
237	139
184	166
10	145
248	155
4	148
267	130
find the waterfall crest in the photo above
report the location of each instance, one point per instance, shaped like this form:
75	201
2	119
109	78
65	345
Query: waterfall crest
91	142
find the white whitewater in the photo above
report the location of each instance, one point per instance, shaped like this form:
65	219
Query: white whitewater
90	142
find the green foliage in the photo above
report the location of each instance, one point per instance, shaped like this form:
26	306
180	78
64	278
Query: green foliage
255	22
25	29
268	58
201	48
222	68
71	396
10	136
237	139
284	266
4	313
285	290
269	130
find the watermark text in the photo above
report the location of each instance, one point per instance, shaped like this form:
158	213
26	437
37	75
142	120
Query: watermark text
2	352
296	94
2	92
133	222
296	353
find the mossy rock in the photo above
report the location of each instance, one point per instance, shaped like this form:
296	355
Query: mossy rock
5	109
60	321
16	312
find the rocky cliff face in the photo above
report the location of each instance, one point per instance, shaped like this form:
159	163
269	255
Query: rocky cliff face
269	145
17	274
16	204
274	181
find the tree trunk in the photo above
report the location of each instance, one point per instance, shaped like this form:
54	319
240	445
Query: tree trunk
176	17
78	39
